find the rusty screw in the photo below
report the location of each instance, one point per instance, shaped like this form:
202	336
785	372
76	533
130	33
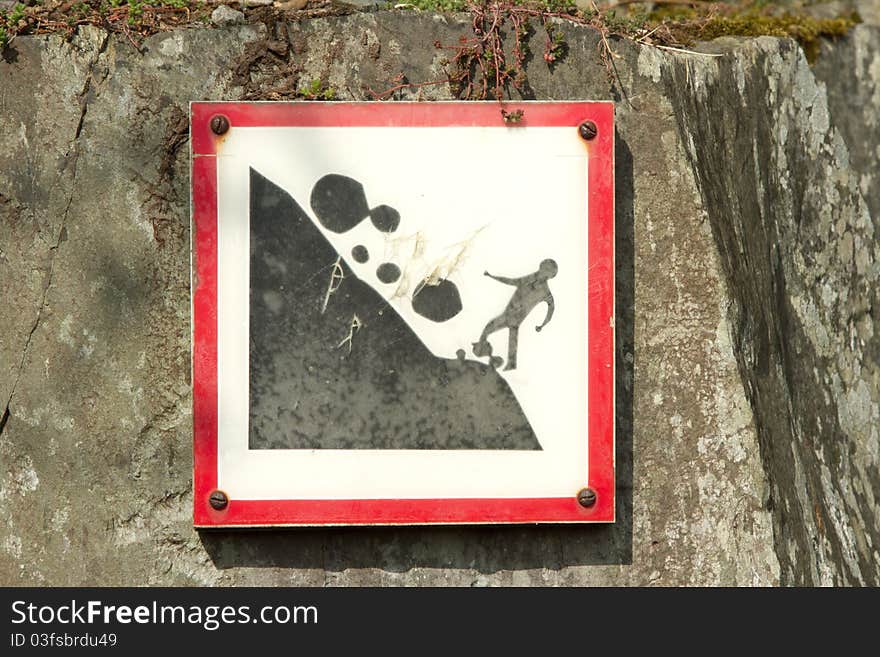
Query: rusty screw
219	124
218	500
588	130
586	497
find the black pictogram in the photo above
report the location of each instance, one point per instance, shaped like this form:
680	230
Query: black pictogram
332	365
360	253
388	272
340	203
531	290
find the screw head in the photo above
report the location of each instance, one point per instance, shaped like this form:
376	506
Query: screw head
218	500
587	130
219	124
586	497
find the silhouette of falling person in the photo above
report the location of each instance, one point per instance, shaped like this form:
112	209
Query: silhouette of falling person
530	291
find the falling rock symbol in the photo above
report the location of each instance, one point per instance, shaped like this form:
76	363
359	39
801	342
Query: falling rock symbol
351	373
388	272
360	253
385	218
438	302
339	202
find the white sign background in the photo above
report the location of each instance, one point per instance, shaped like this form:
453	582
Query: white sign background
471	200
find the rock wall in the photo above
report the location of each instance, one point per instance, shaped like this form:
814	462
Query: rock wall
748	387
794	228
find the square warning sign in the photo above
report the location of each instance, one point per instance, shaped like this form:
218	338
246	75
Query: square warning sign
402	313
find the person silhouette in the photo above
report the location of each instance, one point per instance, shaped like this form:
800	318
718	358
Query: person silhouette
530	291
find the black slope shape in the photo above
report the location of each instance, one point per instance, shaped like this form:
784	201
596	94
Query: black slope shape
351	374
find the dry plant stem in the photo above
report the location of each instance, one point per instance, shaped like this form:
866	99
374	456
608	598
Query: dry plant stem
336	276
620	3
686	51
385	95
480	67
605	52
149	20
131	39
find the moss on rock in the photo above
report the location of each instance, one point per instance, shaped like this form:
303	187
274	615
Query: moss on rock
806	30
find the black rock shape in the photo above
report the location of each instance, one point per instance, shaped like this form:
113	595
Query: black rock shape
339	202
388	272
385	218
360	253
438	302
346	371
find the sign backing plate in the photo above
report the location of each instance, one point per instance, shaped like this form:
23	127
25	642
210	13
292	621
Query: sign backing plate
402	313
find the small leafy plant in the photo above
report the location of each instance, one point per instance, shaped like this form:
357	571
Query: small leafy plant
316	90
16	14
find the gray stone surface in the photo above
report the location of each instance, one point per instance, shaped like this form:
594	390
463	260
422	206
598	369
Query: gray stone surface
798	242
850	70
747	386
225	15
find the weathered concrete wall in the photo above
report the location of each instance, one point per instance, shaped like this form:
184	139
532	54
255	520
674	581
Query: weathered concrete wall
748	389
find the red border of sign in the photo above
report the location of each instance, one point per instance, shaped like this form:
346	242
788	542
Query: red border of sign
276	513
